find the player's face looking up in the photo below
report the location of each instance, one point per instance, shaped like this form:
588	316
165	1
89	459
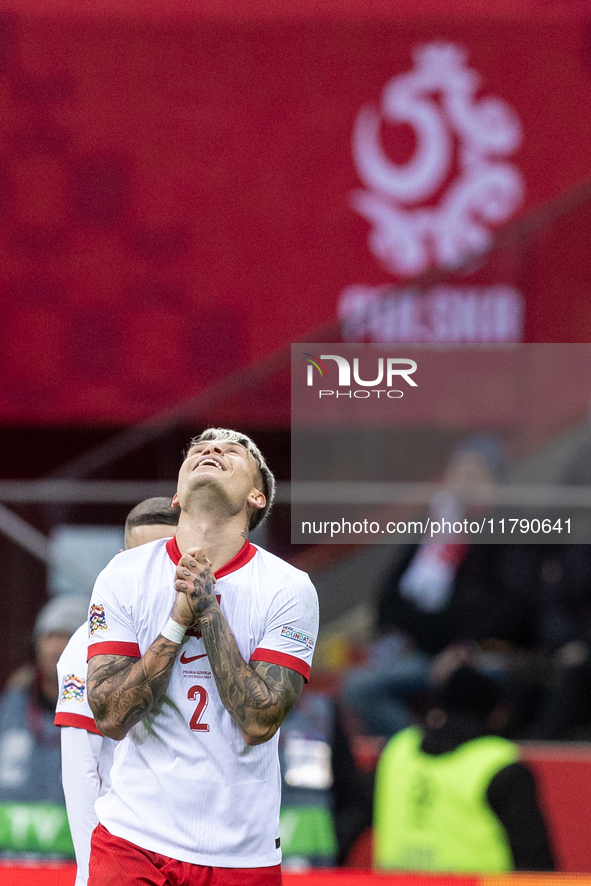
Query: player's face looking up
221	471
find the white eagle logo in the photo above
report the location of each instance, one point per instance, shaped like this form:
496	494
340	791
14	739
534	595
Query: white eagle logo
455	132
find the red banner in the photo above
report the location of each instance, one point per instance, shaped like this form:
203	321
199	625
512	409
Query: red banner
181	195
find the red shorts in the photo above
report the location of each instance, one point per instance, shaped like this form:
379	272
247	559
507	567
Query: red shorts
117	862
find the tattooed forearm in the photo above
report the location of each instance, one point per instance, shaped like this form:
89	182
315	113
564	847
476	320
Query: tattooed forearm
258	696
122	690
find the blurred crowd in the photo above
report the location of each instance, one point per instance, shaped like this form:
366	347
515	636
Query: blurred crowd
520	613
476	647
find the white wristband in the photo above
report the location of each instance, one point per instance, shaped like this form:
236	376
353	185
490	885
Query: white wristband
172	630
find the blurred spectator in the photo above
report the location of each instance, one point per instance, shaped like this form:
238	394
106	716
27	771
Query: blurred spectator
454	797
32	809
323	808
565	705
474	597
565	589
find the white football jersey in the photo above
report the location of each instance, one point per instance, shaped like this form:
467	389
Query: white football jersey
184	782
72	707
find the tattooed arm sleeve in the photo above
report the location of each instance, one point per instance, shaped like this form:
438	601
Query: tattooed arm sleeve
122	690
258	696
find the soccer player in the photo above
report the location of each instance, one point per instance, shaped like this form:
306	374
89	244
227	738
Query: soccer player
87	756
199	647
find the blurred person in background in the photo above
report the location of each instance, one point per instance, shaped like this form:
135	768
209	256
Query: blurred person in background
324	808
454	796
32	807
87	756
446	598
564	703
564	710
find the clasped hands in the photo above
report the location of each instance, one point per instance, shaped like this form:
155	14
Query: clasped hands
194	585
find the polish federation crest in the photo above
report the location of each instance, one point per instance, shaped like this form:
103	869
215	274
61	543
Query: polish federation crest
442	205
96	619
73	688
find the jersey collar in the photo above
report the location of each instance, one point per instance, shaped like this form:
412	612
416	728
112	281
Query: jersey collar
244	555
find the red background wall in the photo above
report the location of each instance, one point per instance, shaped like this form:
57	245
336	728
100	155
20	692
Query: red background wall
174	189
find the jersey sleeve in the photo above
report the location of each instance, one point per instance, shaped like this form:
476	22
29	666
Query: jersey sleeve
72	707
81	783
111	630
291	626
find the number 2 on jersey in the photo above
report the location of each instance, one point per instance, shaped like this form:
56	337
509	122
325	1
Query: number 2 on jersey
198	693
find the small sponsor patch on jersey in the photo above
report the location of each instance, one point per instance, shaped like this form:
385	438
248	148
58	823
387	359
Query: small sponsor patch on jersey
97	619
73	688
298	636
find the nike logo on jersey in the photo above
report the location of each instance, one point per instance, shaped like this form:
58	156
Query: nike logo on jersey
185	659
